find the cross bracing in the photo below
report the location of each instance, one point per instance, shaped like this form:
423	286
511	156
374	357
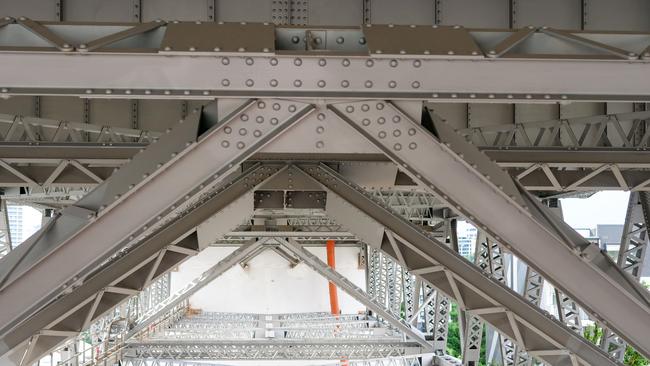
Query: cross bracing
562	154
441	195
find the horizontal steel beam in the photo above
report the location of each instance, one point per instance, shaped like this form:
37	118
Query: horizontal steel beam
378	61
555	169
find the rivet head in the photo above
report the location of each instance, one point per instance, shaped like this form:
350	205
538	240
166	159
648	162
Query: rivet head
392	84
320	144
273	83
225	82
240	145
225	61
345	62
297	62
321	83
345	83
250	83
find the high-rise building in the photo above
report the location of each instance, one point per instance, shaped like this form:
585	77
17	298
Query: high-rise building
467	240
15	216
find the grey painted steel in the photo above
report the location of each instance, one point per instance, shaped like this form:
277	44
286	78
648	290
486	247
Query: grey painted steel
351	289
537	168
444	63
436	263
186	174
478	188
136	265
20	265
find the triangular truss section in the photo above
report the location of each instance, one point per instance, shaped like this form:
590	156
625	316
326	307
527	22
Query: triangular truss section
545	42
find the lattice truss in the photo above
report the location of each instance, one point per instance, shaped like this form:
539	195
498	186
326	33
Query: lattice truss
396	290
397	285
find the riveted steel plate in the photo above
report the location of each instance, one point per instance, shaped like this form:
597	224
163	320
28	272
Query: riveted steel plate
420	40
195	37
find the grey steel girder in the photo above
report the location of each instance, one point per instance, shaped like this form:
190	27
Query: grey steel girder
537	332
24	128
168	176
267	349
477	188
376	61
550	169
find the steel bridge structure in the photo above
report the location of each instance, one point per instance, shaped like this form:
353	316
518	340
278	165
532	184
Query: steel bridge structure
149	130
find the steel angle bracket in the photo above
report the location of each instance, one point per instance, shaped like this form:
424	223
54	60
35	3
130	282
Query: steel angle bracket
483	193
535	331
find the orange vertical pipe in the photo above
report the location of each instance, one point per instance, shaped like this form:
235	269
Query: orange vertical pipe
331	261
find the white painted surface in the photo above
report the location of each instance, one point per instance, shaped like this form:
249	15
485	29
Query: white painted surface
269	285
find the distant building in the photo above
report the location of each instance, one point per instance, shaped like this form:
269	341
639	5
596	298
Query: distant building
15	216
467	241
609	237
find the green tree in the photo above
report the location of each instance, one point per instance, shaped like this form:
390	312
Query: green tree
594	334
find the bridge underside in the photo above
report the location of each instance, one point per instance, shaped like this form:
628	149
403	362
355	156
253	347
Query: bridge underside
172	127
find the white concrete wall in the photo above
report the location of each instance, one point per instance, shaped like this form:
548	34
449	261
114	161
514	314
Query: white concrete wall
269	285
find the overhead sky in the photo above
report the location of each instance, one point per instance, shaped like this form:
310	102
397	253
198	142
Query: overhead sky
606	207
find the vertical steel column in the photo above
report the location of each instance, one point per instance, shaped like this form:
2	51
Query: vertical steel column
568	311
473	341
634	241
5	232
441	330
211	10
631	258
366	11
408	281
331	262
372	272
474	325
429	309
